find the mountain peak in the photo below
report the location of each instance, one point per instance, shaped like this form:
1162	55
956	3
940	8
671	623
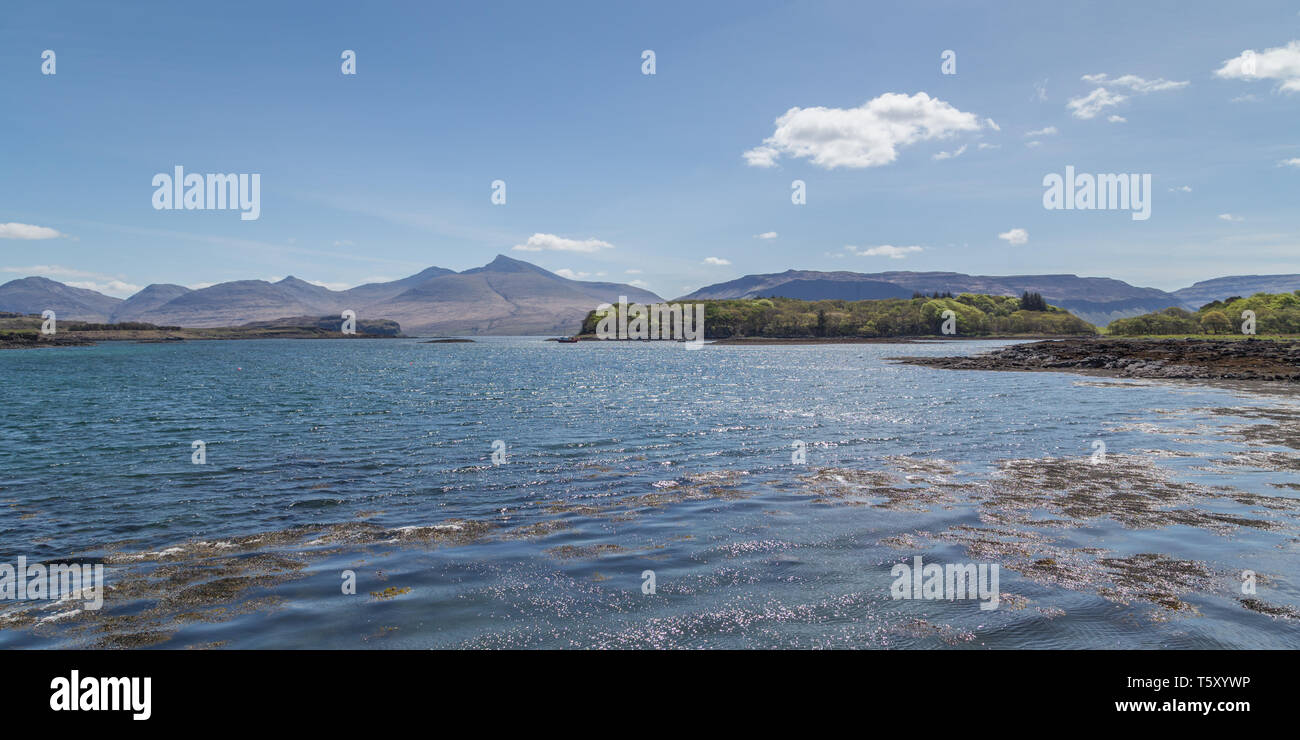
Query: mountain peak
503	263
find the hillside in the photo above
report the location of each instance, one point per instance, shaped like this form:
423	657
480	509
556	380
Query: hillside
506	296
1097	300
975	315
1218	289
1275	313
37	294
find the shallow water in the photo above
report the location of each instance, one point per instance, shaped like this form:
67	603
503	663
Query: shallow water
623	458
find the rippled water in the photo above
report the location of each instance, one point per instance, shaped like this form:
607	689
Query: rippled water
633	457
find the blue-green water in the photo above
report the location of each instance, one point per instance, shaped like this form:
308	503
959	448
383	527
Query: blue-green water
623	458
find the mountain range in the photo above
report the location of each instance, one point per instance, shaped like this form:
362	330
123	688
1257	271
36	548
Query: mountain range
506	296
1095	300
509	296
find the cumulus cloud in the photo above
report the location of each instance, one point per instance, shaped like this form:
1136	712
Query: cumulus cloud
551	242
867	136
1015	237
570	274
766	235
715	261
27	231
1046	131
884	250
1279	63
1103	97
1293	162
1230	217
1117	119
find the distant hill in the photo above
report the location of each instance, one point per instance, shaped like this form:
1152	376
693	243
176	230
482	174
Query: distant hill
145	301
1095	300
36	294
1199	294
506	296
509	296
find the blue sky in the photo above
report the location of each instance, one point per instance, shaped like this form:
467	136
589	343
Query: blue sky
615	175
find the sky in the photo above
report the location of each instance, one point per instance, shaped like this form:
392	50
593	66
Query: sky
669	181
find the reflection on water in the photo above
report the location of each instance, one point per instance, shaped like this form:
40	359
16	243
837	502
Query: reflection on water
326	458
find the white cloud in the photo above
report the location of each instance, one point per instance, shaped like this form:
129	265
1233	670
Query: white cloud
1033	144
1048	131
551	242
200	286
715	261
1015	237
1135	83
1040	90
634	272
1293	162
951	155
1181	189
986	145
993	124
766	235
570	274
1090	105
115	288
56	271
867	136
1094	102
331	286
27	231
1230	217
1279	63
885	250
1117	119
639	283
343	243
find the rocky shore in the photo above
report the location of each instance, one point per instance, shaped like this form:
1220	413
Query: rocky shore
28	340
1192	359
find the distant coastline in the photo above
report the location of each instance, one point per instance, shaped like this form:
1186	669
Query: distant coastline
24	332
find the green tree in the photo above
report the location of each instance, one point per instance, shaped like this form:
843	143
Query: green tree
1215	322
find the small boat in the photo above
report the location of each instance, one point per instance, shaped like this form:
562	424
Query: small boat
567	340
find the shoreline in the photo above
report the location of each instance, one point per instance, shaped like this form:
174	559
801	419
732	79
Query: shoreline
1254	360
